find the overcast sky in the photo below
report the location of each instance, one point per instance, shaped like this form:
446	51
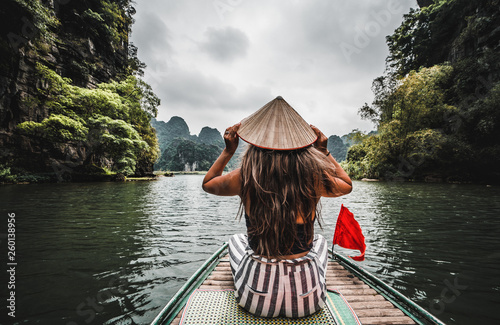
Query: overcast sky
214	62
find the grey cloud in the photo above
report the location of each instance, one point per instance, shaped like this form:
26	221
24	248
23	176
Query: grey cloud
300	56
184	88
350	33
207	101
226	44
153	39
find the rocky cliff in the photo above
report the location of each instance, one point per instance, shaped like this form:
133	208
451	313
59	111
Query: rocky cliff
436	107
337	148
176	127
65	65
181	151
211	136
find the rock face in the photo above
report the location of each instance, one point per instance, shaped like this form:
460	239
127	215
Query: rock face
176	127
181	151
424	3
337	148
211	136
187	155
86	41
83	56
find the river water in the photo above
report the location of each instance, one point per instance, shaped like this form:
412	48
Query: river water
114	253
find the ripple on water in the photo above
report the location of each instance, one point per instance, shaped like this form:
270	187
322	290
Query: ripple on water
130	246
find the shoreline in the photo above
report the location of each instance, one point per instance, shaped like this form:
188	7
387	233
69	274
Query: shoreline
425	181
44	178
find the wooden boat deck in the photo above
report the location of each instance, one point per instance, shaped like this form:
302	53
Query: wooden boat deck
371	307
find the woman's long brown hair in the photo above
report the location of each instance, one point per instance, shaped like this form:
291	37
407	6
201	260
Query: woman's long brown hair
278	186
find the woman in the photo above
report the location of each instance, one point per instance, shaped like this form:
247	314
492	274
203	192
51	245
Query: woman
279	266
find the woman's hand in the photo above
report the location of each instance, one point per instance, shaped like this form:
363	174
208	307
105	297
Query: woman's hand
231	138
322	141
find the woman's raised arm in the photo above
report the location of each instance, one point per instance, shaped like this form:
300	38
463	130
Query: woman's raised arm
229	184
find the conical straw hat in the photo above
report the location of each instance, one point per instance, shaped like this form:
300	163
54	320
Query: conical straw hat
277	126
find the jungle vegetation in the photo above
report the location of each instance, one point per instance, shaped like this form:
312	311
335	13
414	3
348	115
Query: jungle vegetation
437	107
74	95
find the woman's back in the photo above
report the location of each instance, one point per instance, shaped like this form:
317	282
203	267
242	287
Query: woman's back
280	192
279	265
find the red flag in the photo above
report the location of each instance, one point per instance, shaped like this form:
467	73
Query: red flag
348	233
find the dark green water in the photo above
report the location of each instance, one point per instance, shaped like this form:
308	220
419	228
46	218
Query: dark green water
114	253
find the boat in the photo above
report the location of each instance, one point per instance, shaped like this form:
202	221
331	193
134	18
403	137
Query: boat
371	300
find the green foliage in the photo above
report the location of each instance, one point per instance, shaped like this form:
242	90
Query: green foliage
372	156
15	175
419	101
117	21
112	120
5	174
104	127
116	139
403	51
135	66
482	121
107	21
414	139
354	137
437	108
40	16
56	128
92	16
176	127
148	99
441	31
182	152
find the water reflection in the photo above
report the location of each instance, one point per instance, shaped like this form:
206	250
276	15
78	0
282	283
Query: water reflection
186	225
72	248
435	243
114	253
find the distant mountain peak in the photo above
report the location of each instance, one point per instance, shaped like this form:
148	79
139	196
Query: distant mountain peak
210	135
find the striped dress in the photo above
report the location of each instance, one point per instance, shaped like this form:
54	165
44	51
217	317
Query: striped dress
272	288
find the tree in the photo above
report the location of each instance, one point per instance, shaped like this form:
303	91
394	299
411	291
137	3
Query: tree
437	106
111	121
